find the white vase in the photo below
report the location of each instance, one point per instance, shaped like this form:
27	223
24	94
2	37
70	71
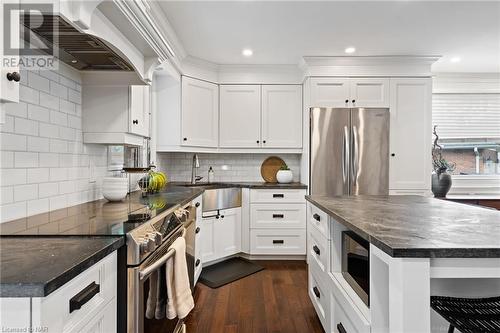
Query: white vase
284	176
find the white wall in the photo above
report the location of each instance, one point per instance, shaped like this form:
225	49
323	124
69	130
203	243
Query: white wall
44	164
241	167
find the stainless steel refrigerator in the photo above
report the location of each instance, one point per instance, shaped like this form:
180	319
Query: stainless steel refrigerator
349	151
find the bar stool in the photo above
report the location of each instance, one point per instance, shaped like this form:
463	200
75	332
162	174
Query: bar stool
469	315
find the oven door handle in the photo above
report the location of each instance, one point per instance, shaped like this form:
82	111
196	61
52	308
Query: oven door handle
143	274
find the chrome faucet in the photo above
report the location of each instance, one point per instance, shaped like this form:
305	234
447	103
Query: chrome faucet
196	165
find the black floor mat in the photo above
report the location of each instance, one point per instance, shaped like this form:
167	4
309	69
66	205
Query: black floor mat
228	271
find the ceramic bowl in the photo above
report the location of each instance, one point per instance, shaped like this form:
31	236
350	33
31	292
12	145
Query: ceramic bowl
114	188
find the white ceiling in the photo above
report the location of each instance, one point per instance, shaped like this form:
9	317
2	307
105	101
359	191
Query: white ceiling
284	31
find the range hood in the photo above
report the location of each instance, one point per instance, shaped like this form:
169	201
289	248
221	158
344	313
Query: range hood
78	50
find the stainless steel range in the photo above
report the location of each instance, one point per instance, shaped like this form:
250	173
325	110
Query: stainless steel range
148	249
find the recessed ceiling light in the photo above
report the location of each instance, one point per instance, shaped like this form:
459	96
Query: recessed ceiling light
350	49
247	52
455	59
74	61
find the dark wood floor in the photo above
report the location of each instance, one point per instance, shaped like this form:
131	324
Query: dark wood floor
274	300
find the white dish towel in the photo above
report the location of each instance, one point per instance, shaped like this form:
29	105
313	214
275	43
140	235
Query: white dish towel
180	300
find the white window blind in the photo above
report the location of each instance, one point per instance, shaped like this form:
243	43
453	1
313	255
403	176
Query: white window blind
463	116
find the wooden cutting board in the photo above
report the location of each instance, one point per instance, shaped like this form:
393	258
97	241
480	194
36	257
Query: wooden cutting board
270	167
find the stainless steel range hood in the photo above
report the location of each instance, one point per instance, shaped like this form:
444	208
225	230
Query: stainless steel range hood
73	47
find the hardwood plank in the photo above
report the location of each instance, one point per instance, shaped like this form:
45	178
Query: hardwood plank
274	300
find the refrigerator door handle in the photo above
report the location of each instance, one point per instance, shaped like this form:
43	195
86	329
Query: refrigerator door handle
355	155
345	154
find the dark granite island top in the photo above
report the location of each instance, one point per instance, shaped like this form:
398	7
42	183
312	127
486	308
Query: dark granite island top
419	227
36	266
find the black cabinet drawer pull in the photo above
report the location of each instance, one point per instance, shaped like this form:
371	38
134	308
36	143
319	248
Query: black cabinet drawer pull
77	301
278	195
316	292
278	216
278	241
197	230
317	217
197	263
316	250
135	121
197	204
341	328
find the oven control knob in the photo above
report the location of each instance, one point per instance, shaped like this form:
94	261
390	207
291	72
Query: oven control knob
151	245
157	237
143	246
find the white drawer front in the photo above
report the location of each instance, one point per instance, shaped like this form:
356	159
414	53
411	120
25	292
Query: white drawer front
320	220
320	298
278	216
278	241
346	312
318	250
54	310
277	196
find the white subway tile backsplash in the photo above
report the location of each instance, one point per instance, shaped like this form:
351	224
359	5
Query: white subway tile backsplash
16	109
49	160
37	206
7	195
38	82
25	160
37	175
49	130
13	177
45	164
58	146
36	112
7	159
67	106
58	202
29	95
38	144
13	211
49	101
25	192
58	118
12	142
51	75
58	90
58	174
25	126
46	190
227	167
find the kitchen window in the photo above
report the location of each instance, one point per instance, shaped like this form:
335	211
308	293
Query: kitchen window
468	126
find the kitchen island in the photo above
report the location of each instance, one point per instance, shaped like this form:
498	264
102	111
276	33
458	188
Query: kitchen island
418	247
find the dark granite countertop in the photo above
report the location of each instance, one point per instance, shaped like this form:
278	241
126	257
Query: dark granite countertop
420	227
36	266
256	185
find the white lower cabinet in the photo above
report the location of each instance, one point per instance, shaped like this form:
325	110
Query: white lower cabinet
220	234
277	222
320	297
53	313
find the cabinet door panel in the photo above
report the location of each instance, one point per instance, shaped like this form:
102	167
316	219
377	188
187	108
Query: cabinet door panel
410	138
282	116
370	92
9	90
330	92
207	239
200	113
240	116
228	232
139	110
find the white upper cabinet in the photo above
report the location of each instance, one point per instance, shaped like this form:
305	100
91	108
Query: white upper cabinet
139	111
369	92
240	111
115	114
200	113
410	139
349	92
282	116
330	92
